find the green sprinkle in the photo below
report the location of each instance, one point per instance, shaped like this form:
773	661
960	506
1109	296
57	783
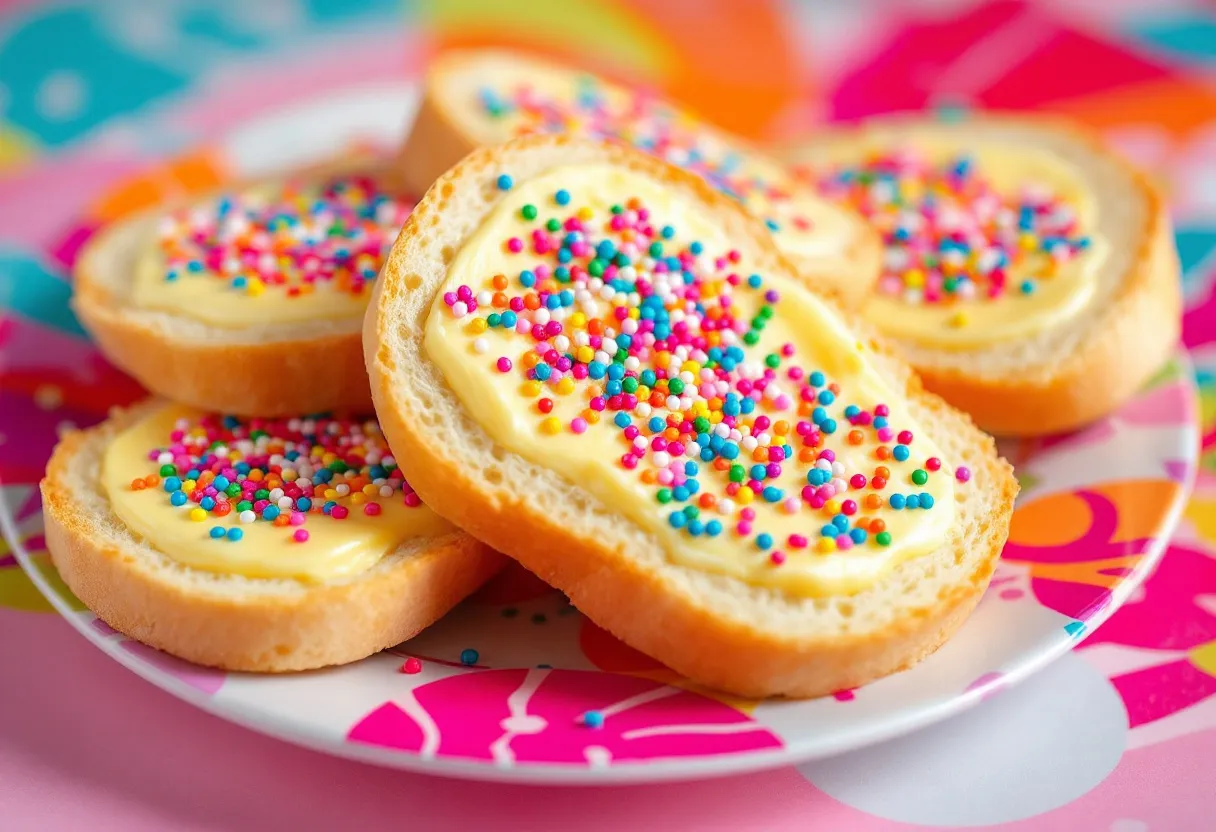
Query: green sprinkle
883	538
528	212
751	338
630	384
675	386
772	361
737	473
168	470
664	495
920	477
553	224
244	505
701	424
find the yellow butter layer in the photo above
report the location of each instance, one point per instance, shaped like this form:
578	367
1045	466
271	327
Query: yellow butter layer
491	357
334	548
1026	239
509	99
283	252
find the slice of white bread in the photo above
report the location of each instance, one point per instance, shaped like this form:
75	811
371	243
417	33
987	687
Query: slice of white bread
1070	374
271	369
450	123
230	621
714	629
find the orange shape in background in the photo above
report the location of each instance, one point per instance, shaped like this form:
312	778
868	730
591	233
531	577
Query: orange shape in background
728	60
193	173
1178	105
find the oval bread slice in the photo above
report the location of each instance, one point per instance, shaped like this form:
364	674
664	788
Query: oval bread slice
448	126
1068	375
716	630
230	621
272	369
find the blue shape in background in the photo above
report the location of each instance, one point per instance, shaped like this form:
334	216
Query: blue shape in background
28	289
1189	36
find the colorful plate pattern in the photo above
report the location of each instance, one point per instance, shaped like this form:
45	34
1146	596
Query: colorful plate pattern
1094	517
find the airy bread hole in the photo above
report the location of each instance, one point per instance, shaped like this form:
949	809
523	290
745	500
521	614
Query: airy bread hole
447	253
845	608
282	649
413	281
493	475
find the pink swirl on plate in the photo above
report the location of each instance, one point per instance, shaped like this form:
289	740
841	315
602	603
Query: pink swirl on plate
534	716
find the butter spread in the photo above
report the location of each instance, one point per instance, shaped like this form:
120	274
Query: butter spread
601	325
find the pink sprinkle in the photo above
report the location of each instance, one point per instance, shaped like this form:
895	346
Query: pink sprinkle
844	542
371	509
297	518
744	527
885	434
777	558
411	666
748	514
504	365
579	425
858	481
797	541
515	245
412	500
339	512
963	473
905	437
301	535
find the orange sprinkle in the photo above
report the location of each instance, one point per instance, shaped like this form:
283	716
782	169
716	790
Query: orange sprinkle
650	476
138	485
151	480
282	520
781	427
256	475
883	452
806	455
883	471
671	434
499	282
760	455
531	301
873	501
499	300
856	437
877	525
721	464
707	500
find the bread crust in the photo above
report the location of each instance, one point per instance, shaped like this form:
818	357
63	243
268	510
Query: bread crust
436	143
642	605
1131	340
237	624
282	376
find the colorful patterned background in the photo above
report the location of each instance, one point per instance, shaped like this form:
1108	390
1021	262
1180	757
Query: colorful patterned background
92	95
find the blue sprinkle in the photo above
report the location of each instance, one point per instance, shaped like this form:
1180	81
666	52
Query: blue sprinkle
680	492
754	281
505	182
593	719
912	501
828	426
469	656
829	530
858	536
303	503
207	503
901	453
897	501
235	534
217	532
172	484
713	528
621	420
764	540
270	512
826	397
178	498
562	197
880	422
841	522
817	379
772	494
926	500
677	519
221	483
691	469
695	527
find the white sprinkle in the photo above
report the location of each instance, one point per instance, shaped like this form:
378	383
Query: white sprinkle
662	459
284	503
248	516
460	309
481	346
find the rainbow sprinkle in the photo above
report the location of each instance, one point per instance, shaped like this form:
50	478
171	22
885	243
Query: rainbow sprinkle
949	235
337	231
279	471
650	333
649	124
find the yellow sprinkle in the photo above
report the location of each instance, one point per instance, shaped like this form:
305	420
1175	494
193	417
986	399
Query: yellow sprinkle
188	485
914	278
1028	241
255	287
566	386
825	545
198	515
478	326
584	354
691	367
592	416
551	425
832	506
530	389
744	496
371	490
331	494
585	213
715	416
635	313
958	319
358	498
578	320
